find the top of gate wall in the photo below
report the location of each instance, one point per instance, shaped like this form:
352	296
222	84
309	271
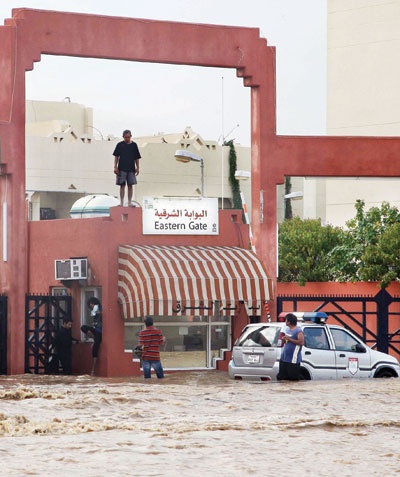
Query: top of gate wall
31	33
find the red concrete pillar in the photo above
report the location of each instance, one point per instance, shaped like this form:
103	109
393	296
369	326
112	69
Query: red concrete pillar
239	321
263	176
13	266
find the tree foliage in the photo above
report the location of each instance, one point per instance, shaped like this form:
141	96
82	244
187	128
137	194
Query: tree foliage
364	233
288	202
367	250
304	247
381	261
237	201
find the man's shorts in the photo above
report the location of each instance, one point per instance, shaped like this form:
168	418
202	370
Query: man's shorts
124	178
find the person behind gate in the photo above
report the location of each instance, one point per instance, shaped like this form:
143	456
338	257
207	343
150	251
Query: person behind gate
63	343
150	339
96	331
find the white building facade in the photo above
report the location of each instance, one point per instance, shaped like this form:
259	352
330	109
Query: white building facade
67	158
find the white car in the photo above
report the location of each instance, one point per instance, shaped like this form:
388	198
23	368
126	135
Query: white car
329	352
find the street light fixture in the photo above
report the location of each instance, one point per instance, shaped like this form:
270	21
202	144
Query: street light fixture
182	155
242	175
294	195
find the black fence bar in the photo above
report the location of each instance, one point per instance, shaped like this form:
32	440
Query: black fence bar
3	334
362	307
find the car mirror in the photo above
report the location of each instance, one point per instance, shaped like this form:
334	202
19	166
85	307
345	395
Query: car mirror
360	348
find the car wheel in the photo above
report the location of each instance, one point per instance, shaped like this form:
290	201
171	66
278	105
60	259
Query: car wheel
384	373
305	375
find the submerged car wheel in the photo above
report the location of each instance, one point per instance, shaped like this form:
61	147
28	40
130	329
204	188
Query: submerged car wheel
384	373
305	375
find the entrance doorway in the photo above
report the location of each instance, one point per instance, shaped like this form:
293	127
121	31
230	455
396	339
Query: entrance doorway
192	342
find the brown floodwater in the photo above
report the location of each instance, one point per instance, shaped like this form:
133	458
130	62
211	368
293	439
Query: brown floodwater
198	424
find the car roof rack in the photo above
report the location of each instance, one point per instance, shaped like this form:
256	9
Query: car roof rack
313	316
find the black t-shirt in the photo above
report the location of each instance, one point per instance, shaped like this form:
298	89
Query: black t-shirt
127	153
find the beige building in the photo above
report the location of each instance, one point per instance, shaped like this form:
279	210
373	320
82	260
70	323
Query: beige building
363	95
67	158
363	99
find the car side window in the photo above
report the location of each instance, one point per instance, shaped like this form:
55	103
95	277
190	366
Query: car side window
315	338
343	340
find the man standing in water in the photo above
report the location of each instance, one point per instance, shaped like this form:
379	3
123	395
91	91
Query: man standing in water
289	364
151	339
126	165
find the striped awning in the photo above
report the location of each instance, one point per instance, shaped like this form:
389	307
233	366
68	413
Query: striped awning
178	280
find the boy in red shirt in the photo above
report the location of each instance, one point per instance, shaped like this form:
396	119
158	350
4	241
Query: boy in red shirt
151	339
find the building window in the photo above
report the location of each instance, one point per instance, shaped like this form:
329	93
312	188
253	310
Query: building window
87	293
59	291
191	341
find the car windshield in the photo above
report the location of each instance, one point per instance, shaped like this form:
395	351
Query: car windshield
263	336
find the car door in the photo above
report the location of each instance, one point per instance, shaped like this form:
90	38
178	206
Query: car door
352	356
317	354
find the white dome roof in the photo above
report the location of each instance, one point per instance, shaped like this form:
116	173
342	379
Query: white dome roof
93	206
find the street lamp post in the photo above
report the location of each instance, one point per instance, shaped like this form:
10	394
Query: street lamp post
182	155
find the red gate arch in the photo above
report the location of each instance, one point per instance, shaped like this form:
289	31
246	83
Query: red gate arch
31	33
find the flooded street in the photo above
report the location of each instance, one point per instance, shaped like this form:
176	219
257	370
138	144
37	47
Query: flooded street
198	424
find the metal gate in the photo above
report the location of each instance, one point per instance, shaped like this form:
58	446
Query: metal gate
43	317
369	317
3	334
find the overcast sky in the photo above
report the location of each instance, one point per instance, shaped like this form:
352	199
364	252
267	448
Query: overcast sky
153	98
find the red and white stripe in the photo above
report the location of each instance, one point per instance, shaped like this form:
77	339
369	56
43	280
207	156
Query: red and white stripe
168	280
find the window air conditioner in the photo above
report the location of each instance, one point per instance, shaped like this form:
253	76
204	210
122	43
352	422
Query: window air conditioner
71	269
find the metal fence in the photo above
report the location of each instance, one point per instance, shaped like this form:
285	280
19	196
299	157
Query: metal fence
3	334
372	318
43	317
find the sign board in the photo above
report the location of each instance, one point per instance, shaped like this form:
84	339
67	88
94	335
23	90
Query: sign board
180	216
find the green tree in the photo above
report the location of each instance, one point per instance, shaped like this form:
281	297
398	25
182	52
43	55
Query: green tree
288	202
361	240
304	247
237	201
381	261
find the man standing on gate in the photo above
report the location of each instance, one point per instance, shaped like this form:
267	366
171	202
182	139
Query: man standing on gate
151	339
126	165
